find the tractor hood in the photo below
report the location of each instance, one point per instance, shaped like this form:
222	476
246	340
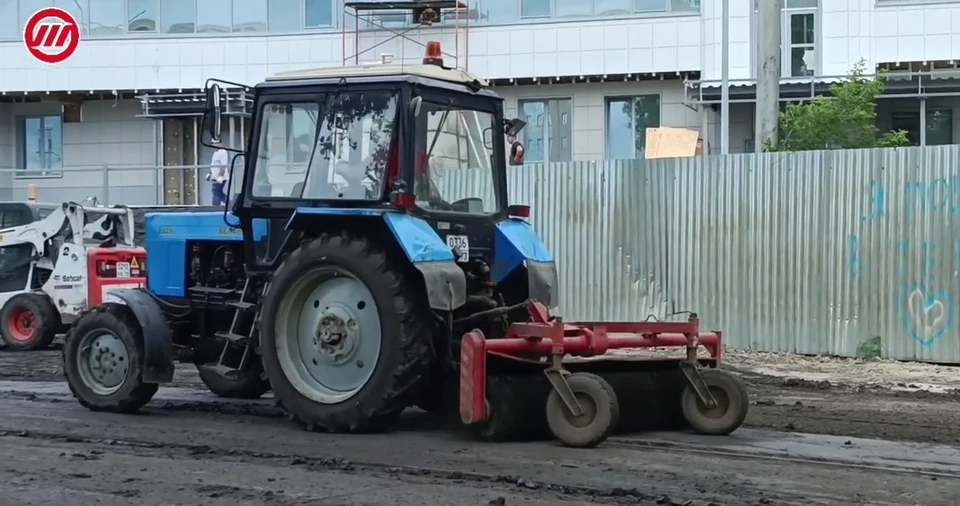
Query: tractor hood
517	245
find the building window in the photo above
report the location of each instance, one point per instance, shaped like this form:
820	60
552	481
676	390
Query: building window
534	8
319	13
601	8
250	15
178	16
214	16
141	15
106	17
41	143
284	16
800	43
799	29
627	121
549	131
939	126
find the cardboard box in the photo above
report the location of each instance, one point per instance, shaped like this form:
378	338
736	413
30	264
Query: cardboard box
666	142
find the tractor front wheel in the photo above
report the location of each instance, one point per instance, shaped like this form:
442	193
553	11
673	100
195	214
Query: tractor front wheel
103	361
342	336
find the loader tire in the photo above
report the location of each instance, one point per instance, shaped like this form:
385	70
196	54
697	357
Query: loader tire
29	322
116	383
249	383
325	373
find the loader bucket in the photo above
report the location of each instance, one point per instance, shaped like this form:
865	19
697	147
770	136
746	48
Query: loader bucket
580	383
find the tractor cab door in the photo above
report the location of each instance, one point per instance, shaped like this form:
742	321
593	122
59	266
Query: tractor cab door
459	181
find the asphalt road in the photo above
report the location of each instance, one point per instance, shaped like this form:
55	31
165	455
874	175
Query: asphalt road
191	449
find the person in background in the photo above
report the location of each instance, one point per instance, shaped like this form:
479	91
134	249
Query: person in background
219	174
516	150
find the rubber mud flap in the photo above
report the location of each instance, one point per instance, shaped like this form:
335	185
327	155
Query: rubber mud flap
445	283
542	282
158	364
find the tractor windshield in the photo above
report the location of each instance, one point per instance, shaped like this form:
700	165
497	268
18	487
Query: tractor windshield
455	164
336	149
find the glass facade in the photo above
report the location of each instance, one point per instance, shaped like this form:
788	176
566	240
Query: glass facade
110	18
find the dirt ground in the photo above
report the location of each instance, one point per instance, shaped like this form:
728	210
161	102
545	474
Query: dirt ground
820	431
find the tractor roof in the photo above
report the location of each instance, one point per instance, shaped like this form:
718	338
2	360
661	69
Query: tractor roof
454	76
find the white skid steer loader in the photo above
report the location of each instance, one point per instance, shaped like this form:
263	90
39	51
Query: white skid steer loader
55	268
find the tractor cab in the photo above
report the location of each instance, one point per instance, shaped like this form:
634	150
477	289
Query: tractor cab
354	142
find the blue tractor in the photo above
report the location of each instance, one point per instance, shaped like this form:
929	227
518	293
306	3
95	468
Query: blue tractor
371	262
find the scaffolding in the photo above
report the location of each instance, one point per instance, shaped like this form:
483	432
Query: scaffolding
423	14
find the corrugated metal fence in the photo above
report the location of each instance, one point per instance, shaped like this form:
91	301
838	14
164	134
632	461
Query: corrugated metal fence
820	252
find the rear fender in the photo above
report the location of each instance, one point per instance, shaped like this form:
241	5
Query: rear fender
443	280
158	354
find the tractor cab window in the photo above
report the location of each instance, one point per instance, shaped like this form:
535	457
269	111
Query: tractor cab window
337	151
455	169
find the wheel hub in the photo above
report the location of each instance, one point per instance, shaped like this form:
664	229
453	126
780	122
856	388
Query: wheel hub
337	334
22	324
328	335
106	363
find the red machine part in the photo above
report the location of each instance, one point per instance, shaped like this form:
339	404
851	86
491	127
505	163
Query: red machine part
546	337
114	268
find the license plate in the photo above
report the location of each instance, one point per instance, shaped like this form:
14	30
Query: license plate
460	244
123	269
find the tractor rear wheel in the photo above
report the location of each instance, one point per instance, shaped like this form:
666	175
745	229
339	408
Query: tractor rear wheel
342	336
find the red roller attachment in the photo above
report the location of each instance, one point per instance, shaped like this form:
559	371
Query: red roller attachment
473	378
545	336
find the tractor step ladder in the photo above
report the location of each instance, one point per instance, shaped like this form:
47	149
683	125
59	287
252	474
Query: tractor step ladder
236	335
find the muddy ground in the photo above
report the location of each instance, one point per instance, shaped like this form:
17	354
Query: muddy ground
835	438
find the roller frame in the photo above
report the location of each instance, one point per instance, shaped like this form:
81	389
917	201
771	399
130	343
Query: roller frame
548	337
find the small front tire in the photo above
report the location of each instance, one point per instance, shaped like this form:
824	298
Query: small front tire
731	409
601	412
103	361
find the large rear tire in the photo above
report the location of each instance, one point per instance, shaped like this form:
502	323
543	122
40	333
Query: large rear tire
342	336
29	322
103	361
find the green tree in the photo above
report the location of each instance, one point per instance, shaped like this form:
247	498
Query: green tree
845	119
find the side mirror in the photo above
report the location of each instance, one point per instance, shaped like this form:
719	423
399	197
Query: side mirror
213	112
488	138
513	126
415	105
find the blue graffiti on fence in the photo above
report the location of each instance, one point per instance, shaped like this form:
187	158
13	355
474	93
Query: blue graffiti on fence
940	195
926	315
926	306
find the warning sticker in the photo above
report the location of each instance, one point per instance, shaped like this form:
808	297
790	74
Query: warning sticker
134	264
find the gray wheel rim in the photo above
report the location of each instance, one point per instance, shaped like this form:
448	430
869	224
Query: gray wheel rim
103	362
328	335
